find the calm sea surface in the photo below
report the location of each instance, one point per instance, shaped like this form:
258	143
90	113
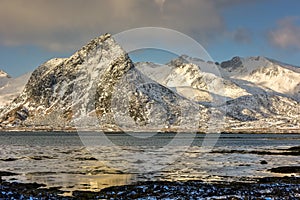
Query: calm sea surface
87	161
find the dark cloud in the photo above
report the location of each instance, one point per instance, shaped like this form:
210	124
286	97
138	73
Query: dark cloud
61	25
286	34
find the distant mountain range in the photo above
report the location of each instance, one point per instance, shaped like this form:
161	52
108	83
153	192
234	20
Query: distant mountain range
99	87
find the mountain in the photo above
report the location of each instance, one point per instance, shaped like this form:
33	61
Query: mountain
266	74
191	81
256	94
4	77
100	88
10	88
265	113
97	87
237	77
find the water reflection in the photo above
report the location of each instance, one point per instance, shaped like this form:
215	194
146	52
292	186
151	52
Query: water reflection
71	182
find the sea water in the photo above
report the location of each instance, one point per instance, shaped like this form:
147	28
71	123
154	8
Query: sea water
60	159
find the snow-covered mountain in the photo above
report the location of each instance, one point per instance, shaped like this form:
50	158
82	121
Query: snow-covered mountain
4	78
266	74
10	88
99	87
275	94
237	77
189	80
255	92
265	113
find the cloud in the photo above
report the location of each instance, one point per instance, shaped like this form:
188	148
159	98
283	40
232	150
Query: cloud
287	34
61	25
242	35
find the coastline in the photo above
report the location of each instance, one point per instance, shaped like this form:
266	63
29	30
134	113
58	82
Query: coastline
259	188
286	185
199	131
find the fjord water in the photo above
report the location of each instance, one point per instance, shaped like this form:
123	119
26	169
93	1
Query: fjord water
60	159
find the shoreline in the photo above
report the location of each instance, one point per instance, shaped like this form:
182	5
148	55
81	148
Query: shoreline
285	186
280	131
259	188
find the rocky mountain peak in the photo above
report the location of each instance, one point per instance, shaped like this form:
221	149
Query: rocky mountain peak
179	61
91	47
233	64
50	88
185	59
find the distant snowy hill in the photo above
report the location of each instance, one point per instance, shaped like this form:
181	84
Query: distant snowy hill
190	81
237	77
4	78
10	88
260	93
266	74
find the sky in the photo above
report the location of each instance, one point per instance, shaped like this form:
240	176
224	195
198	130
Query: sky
34	31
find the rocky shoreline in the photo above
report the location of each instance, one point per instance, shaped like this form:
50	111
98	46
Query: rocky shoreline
260	188
117	130
285	187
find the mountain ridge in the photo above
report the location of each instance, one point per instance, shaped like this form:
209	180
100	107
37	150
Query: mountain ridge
62	92
100	88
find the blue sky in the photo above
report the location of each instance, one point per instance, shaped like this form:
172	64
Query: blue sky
33	31
259	19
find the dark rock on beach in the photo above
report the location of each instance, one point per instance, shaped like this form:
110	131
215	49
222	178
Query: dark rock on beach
286	169
263	162
4	173
292	151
